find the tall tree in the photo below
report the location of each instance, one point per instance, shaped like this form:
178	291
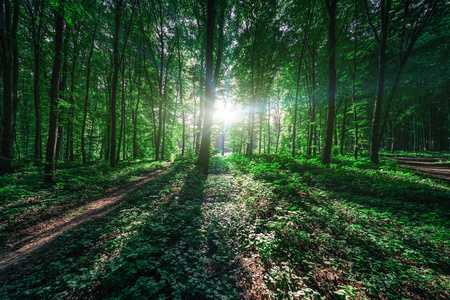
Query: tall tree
415	18
180	93
294	133
115	79
203	157
88	84
50	156
35	11
382	42
10	64
136	108
331	9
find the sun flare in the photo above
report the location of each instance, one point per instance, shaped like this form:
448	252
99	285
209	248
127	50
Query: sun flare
225	113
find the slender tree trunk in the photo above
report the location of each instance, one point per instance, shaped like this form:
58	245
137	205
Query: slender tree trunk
7	150
122	113
344	123
118	15
312	140
152	98
375	141
62	89
49	170
294	132
241	144
225	122
107	138
309	123
355	116
9	59
86	98
203	157
124	148
35	12
59	142
251	126
279	122
194	135
135	116
91	140
268	129
163	135
260	132
201	104
331	8
15	70
183	136
37	102
158	136
69	147
160	85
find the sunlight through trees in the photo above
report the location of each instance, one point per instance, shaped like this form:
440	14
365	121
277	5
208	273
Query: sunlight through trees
137	79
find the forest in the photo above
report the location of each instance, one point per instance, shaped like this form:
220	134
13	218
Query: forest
224	149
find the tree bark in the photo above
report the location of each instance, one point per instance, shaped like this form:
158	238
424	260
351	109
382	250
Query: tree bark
86	98
118	8
375	142
344	123
294	132
61	95
279	122
355	116
50	156
122	114
203	158
10	64
331	8
268	128
35	12
251	127
135	112
183	137
15	70
70	121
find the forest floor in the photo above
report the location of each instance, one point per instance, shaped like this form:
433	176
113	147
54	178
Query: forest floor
39	236
266	227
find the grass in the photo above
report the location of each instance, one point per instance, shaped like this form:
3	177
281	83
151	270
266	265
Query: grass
262	227
446	154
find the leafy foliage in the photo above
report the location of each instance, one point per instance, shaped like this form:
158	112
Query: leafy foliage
265	226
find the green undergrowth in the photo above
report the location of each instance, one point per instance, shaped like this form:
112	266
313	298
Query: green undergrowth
355	229
25	201
425	154
255	228
172	240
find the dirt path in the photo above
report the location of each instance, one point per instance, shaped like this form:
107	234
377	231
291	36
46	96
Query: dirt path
428	165
43	234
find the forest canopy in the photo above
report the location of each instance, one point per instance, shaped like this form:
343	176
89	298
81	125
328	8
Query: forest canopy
93	80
